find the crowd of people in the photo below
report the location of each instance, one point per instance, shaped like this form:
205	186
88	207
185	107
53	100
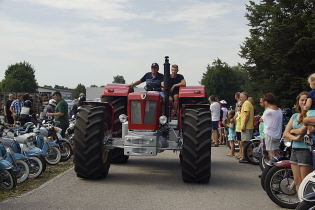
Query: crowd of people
27	108
239	125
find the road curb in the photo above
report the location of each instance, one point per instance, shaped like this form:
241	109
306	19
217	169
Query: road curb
40	187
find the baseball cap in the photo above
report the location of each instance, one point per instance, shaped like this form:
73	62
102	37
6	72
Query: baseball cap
223	102
154	65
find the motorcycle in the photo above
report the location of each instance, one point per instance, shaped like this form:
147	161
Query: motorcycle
36	158
19	162
278	181
7	178
252	150
70	130
54	133
307	188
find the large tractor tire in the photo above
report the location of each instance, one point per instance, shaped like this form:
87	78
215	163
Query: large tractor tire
119	104
196	153
91	158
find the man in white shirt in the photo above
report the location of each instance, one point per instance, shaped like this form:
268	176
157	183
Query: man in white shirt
215	108
272	118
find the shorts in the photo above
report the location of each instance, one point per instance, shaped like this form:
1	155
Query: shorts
231	136
214	125
238	136
175	92
272	144
246	135
310	113
301	157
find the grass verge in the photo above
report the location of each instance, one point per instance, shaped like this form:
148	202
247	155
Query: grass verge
30	184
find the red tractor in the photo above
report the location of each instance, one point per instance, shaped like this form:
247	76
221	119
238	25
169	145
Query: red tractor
130	123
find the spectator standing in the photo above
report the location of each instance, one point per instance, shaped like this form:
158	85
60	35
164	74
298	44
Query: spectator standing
261	122
237	99
230	124
7	111
238	126
301	156
247	123
222	129
272	118
16	107
50	108
61	113
78	102
215	118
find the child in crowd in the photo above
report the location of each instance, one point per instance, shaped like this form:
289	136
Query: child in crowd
309	107
230	124
238	128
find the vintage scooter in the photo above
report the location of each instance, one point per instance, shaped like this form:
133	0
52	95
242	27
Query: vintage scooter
19	161
7	177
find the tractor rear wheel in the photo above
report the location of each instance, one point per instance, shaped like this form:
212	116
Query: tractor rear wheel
120	107
91	158
196	153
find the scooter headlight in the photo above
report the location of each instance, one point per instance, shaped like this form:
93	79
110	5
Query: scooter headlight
163	119
123	118
8	150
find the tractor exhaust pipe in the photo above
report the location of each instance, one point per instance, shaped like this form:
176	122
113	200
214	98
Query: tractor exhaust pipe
166	87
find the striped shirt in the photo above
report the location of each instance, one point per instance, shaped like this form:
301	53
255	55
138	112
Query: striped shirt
17	106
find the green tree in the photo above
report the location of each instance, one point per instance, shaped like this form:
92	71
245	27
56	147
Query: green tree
47	86
119	79
20	77
61	87
222	80
93	86
280	50
79	89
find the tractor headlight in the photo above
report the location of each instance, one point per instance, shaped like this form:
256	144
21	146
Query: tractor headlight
163	119
123	118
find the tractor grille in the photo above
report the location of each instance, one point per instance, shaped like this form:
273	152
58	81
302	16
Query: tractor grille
149	114
136	112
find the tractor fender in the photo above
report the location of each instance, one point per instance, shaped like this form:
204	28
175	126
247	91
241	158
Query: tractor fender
283	164
116	90
192	92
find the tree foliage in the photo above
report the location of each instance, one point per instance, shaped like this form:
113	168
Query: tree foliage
222	80
119	79
280	50
79	89
20	77
60	87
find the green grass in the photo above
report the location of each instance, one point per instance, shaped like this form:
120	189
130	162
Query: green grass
30	184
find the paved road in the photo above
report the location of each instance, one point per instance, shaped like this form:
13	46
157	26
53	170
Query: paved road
153	183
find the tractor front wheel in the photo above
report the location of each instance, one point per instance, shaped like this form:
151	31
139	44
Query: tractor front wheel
196	153
91	158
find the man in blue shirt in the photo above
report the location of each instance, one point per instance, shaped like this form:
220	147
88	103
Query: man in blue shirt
153	79
16	107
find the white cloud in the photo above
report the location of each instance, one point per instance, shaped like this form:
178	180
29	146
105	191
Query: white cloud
197	12
107	9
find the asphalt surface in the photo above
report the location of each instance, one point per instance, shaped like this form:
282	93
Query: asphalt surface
153	183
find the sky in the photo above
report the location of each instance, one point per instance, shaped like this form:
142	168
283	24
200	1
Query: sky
90	41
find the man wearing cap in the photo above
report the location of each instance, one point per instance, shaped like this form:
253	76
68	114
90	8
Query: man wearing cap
153	79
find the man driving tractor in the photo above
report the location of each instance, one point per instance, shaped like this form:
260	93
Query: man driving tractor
155	82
